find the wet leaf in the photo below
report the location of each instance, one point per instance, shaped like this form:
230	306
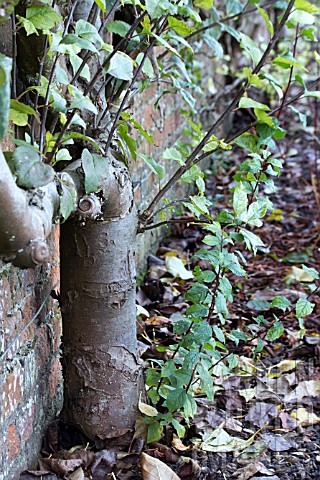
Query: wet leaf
154	469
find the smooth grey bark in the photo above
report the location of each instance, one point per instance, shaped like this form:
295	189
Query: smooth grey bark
25	220
103	378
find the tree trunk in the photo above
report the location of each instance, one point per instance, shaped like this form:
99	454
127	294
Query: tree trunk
102	376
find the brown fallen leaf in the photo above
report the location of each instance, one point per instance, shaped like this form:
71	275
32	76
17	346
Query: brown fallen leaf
251	469
60	467
154	469
178	445
39	474
77	475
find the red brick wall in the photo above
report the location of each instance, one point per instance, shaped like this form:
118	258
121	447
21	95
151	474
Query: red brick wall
30	371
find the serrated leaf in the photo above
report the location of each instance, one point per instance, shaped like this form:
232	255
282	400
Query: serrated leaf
81	102
280	302
275	331
156	8
180	27
240	199
87	31
42	17
304	307
176	399
95	171
219	334
153	165
82	43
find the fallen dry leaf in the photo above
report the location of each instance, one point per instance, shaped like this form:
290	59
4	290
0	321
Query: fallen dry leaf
147	409
308	388
77	475
305	418
60	467
178	445
249	470
154	469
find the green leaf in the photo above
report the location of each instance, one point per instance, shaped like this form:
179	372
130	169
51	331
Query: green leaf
306	6
101	4
95	171
300	17
119	27
63	155
176	399
76	61
180	429
159	170
72	39
182	28
5	70
246	102
219	334
312	272
165	44
266	18
286	62
30	171
206	4
154	432
156	8
280	302
251	48
130	142
81	102
240	199
87	31
42	17
251	239
27	25
121	66
68	200
147	67
275	331
248	141
304	307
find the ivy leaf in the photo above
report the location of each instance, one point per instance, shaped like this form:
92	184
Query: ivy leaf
68	200
81	102
30	171
121	66
5	76
275	331
176	399
63	155
240	199
304	307
159	170
95	171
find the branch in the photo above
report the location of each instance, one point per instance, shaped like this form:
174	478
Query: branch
233	104
24	226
